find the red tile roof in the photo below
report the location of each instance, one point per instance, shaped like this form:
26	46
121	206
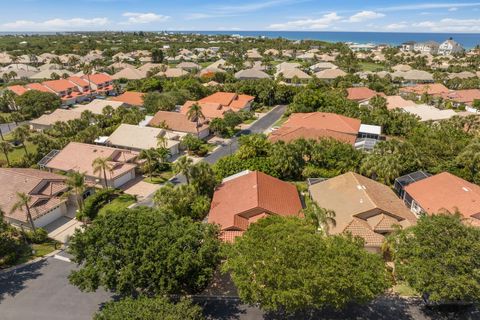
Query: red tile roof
261	195
59	85
432	89
17	89
99	78
78	81
463	96
361	93
38	86
176	121
317	125
446	191
130	97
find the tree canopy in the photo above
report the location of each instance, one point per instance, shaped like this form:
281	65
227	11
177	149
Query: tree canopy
284	264
157	308
439	257
146	251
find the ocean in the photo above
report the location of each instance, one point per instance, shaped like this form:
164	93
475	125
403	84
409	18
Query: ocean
468	40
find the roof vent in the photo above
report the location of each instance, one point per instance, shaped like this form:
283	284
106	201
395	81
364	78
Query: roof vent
465	189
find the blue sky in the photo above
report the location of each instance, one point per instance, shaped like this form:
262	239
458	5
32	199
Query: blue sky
297	15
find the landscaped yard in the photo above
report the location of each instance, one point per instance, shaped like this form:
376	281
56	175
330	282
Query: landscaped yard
18	152
118	204
370	66
404	290
162	178
39	250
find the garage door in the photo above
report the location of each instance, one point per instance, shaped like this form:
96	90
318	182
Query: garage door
50	217
120	181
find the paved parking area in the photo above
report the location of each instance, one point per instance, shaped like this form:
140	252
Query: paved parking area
140	188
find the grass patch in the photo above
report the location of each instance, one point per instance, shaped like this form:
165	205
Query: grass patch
118	204
249	121
404	290
370	66
38	250
280	121
159	179
18	152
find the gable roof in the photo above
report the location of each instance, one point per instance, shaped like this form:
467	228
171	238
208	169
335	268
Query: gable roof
32	182
251	74
132	98
432	89
59	115
446	191
261	195
360	93
136	137
96	106
354	197
176	121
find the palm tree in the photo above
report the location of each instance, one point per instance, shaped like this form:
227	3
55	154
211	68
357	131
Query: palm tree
184	166
3	120
76	184
162	141
163	154
102	165
21	134
322	218
6	148
87	70
195	114
151	156
15	60
24	202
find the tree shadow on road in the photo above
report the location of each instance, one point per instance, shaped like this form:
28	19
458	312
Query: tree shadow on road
12	282
222	309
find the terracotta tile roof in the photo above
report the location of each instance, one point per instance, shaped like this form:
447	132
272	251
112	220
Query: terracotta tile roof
230	236
176	121
361	93
68	159
18	89
354	197
42	186
360	228
99	78
59	85
228	99
432	89
261	195
59	115
318	125
446	191
463	96
209	110
130	97
38	86
289	134
394	102
78	81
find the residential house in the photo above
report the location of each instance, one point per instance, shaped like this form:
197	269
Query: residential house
47	120
45	190
433	89
96	106
215	105
261	196
430	47
130	98
362	94
79	157
178	122
189	66
330	74
450	47
138	138
423	193
251	74
101	83
320	125
363	207
322	66
129	74
66	90
429	113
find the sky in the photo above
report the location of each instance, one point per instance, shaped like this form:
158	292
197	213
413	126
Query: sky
248	15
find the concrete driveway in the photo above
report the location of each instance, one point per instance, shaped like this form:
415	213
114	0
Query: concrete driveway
140	188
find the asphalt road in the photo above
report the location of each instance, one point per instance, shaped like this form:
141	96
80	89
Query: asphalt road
7	127
258	126
40	291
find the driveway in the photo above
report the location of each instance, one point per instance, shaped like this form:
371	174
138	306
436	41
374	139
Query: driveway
140	188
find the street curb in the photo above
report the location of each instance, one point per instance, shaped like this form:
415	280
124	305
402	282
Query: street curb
48	255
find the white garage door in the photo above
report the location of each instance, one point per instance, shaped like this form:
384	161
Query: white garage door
120	181
50	217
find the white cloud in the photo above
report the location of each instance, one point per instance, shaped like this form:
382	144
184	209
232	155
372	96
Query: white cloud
453	9
423	6
320	23
142	18
56	24
396	26
365	15
450	25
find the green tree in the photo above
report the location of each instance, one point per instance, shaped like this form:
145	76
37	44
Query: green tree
34	103
195	114
183	201
6	148
283	264
469	160
321	218
76	184
184	166
440	258
144	251
102	166
23	202
21	134
156	308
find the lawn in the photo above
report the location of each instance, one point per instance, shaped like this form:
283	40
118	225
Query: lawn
17	152
249	121
370	66
40	250
162	178
117	204
280	121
